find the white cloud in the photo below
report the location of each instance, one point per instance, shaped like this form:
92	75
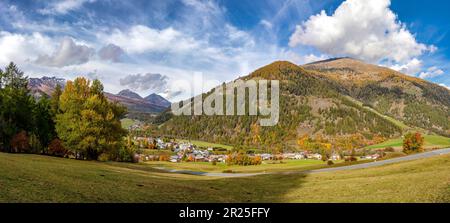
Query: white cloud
111	52
140	39
364	29
266	24
68	53
431	73
411	67
444	85
313	58
155	82
21	48
63	7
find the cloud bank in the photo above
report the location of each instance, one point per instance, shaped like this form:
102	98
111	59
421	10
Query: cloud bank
155	82
364	29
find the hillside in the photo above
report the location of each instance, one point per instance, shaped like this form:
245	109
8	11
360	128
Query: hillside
310	104
34	178
158	100
129	94
413	101
334	99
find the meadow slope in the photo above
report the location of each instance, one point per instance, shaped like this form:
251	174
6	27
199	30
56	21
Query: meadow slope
33	178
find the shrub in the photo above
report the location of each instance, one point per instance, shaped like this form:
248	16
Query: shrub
126	154
103	157
389	149
57	149
351	159
241	158
330	162
20	143
164	157
413	143
214	162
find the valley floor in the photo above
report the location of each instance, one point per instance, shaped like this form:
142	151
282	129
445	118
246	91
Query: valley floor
33	178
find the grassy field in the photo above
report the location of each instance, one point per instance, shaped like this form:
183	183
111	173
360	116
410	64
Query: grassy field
32	178
430	142
206	144
126	123
264	167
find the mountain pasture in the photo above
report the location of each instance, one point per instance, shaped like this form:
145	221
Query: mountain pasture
34	178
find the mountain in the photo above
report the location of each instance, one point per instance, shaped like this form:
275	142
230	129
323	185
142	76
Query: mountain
129	94
338	99
413	101
158	100
44	85
137	106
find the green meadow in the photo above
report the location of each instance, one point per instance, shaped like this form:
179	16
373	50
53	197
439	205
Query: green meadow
35	178
431	141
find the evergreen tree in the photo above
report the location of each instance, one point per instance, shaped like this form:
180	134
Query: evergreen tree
15	107
14	78
44	122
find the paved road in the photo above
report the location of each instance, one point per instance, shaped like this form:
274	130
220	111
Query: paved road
352	167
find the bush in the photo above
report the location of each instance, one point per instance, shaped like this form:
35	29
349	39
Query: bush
351	159
389	149
103	157
126	154
57	149
214	162
413	143
164	157
330	162
20	143
241	158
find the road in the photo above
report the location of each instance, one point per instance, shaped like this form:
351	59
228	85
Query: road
332	169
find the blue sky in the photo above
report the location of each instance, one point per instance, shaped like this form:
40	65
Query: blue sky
148	45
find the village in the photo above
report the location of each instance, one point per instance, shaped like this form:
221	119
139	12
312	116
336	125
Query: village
183	150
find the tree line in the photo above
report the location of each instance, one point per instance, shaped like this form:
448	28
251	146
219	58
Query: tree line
77	122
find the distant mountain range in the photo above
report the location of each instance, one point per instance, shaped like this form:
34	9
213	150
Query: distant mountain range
134	102
332	98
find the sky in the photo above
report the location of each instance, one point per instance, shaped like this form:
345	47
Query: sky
146	46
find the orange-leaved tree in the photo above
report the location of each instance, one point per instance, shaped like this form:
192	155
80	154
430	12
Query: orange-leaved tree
413	142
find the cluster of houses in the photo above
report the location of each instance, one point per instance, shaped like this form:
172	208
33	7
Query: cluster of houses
372	156
182	151
187	151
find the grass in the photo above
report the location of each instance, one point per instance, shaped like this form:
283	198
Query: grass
287	165
126	123
206	144
33	178
431	141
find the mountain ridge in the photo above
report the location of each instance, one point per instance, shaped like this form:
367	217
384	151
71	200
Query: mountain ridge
133	101
329	101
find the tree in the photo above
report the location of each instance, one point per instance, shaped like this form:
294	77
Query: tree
89	124
13	77
16	104
413	142
44	122
1	78
54	101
